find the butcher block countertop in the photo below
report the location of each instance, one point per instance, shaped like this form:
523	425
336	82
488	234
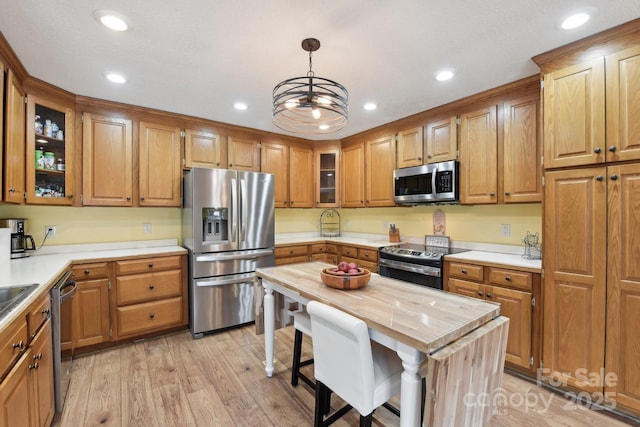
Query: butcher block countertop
49	263
423	318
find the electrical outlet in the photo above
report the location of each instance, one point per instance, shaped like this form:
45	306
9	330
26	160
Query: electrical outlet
50	230
385	225
506	230
146	228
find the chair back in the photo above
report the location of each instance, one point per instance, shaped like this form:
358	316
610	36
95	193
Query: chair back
342	355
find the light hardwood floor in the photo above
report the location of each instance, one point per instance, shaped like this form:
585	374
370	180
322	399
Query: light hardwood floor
219	380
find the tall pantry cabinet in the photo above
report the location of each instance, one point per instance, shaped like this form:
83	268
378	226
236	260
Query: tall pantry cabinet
592	217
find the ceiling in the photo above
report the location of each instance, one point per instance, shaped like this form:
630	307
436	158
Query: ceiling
199	57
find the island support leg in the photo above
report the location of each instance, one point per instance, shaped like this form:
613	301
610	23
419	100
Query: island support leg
269	326
410	386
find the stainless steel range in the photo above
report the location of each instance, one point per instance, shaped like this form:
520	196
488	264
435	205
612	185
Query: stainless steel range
416	263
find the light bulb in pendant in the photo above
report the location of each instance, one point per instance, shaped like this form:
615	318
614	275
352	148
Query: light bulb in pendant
315	112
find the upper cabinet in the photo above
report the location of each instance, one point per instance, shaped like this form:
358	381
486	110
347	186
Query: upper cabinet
107	161
159	166
441	140
591	109
479	156
379	167
409	148
14	141
301	192
352	182
50	165
521	171
274	159
202	149
244	153
328	178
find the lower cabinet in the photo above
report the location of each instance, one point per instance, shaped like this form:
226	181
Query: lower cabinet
291	254
26	391
365	258
516	292
126	299
328	252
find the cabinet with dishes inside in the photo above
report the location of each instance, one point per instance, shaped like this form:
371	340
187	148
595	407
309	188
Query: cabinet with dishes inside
49	154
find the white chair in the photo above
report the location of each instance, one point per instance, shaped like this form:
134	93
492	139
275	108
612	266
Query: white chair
302	325
362	372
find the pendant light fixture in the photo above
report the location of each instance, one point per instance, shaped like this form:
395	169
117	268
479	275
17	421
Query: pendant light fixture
310	104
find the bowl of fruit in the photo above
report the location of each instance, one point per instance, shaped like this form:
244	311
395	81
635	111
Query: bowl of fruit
346	275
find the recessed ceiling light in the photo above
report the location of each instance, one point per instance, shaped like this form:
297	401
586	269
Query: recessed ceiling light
112	20
575	21
240	106
323	127
115	77
370	106
444	75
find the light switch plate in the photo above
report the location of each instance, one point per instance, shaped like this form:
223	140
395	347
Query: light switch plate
506	230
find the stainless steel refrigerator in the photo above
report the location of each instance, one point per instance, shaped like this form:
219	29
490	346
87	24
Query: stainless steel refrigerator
228	229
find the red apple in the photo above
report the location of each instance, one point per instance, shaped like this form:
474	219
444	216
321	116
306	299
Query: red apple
354	271
353	266
343	266
340	272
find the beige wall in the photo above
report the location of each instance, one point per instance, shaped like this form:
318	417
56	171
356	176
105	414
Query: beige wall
102	224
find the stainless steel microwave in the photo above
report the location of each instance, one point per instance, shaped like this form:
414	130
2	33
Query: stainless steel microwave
432	183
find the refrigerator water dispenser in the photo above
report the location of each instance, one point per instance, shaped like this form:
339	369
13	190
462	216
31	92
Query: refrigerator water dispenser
215	224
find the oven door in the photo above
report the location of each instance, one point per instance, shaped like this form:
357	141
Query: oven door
414	273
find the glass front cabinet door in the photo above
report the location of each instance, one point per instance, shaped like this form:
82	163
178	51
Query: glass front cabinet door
327	182
49	152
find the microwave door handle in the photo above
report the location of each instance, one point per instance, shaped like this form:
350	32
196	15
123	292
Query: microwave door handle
433	181
234	212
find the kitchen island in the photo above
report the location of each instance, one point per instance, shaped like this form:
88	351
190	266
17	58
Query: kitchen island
417	322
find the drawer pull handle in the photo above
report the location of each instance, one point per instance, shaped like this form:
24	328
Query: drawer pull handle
152	315
19	345
45	312
464	271
150	265
489	295
34	366
151	287
479	293
87	271
37	356
507	278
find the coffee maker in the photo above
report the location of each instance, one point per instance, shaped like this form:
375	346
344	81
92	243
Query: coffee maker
21	244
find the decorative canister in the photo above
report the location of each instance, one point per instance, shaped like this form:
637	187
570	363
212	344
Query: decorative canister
39	159
47	128
60	165
49	160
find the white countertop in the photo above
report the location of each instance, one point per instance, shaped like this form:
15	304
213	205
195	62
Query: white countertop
495	258
373	242
45	267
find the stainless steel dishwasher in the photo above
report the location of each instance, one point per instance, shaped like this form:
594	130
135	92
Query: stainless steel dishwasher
61	296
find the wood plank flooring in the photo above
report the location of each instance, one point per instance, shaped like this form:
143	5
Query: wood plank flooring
219	380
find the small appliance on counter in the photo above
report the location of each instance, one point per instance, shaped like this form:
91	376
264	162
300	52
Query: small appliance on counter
21	244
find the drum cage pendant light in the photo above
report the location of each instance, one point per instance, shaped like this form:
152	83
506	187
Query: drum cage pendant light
310	104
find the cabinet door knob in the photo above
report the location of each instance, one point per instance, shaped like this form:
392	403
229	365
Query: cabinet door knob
614	177
479	293
230	164
597	150
506	193
87	271
489	295
37	356
218	164
428	156
142	198
150	265
152	315
45	312
152	287
507	278
492	194
70	196
599	178
612	148
128	198
463	271
19	345
34	366
419	158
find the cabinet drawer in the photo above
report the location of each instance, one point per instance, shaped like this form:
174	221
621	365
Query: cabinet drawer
13	340
370	255
149	316
147	287
90	271
466	271
516	279
292	260
37	315
319	248
148	264
371	266
332	249
292	251
349	251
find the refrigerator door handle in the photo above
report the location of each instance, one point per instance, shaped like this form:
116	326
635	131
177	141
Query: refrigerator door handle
234	211
232	256
241	278
243	210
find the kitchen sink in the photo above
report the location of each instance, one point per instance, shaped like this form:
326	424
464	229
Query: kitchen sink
11	296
